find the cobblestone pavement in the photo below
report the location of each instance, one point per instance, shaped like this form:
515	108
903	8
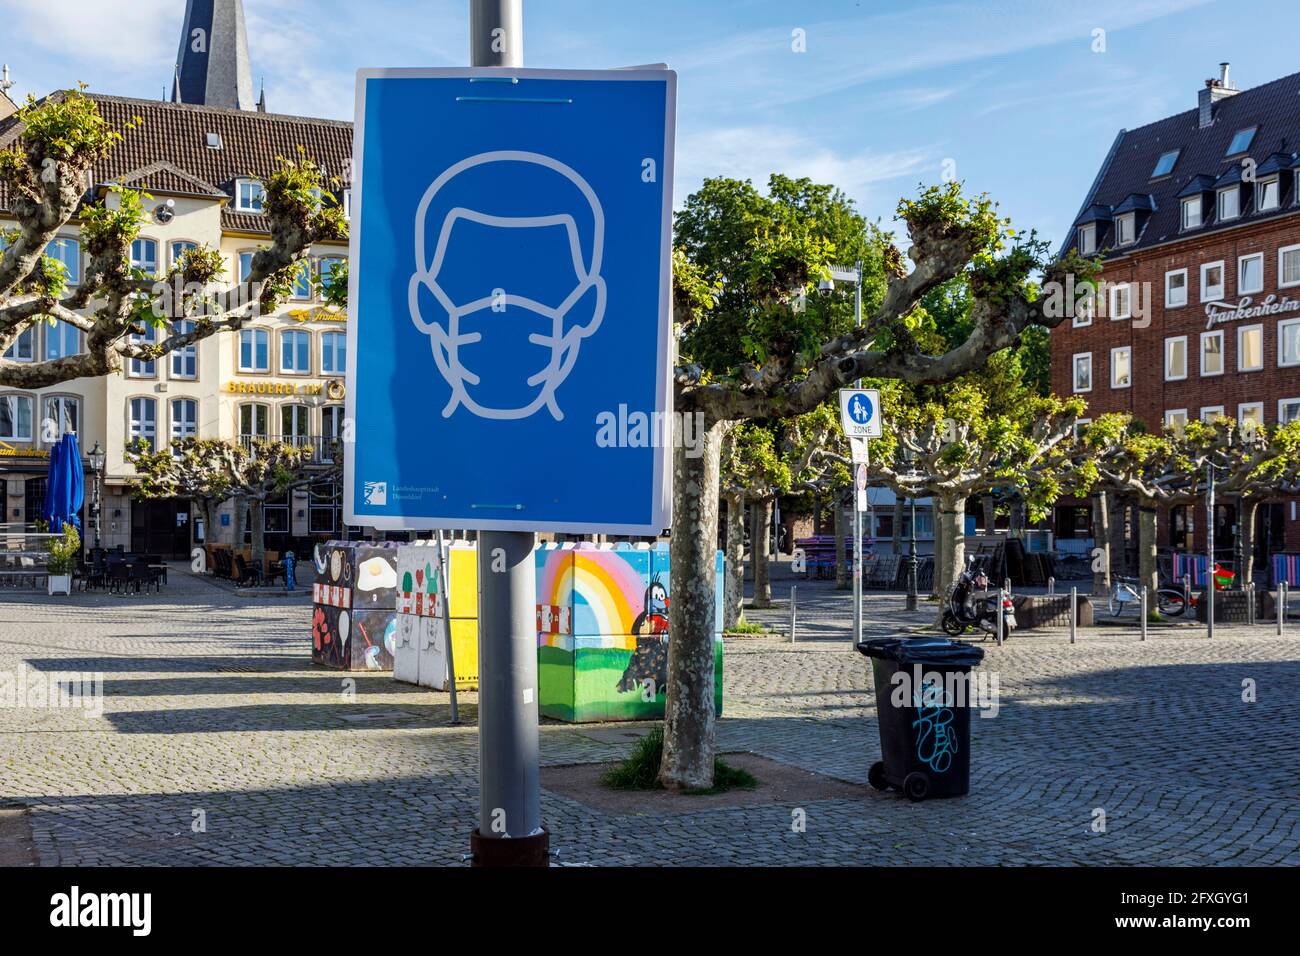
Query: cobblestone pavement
213	714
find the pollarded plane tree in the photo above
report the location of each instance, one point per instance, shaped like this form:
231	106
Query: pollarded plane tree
748	353
47	173
759	462
958	448
214	470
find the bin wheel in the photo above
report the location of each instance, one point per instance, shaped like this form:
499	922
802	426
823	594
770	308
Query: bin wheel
951	626
876	776
916	786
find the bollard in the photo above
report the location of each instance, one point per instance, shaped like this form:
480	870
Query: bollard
1143	608
1074	613
1051	587
1250	603
1001	616
1281	608
792	612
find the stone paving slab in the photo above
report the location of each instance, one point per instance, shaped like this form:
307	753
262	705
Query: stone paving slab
220	743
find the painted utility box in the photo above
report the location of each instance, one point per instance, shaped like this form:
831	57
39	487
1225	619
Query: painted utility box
354	617
602	632
420	656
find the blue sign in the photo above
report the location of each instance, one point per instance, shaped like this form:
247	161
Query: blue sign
510	291
860	412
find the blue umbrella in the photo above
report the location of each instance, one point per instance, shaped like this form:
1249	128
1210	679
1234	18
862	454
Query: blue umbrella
65	486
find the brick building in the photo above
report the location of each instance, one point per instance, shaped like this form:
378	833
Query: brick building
1197	220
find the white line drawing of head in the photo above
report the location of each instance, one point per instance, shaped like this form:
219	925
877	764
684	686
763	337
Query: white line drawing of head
444	329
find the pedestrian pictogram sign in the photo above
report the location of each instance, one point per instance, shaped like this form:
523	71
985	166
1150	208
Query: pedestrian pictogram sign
860	412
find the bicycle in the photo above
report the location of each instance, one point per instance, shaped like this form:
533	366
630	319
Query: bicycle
1127	592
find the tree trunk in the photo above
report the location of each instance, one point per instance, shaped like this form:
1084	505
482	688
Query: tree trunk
990	515
688	713
898	523
734	591
843	580
952	521
258	558
1118	544
939	551
241	507
1100	557
1247	508
1017	523
1147	552
760	549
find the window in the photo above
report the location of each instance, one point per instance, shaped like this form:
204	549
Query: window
185	360
293	424
1288	342
1192	214
347	204
1121	302
1250	415
325	506
140	368
1268	194
62	339
16	417
1288	410
253	421
327	265
24	347
245	265
302	282
1083	372
1126	229
1175	288
254	350
1250	348
1288	266
1121	367
333	353
67	251
185	418
144	256
295	353
1229	203
1081	426
1250	274
180	247
275	515
1212	353
1176	419
213	140
1176	358
144	422
1210	412
59	416
331	417
248	195
1165	164
1211	281
1241	142
1088	239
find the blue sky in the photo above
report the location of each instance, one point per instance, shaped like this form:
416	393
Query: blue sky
1010	94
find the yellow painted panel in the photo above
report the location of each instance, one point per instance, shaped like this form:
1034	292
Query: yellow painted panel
464	648
464	582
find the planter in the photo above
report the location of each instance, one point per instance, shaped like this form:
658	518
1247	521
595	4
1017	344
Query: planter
59	583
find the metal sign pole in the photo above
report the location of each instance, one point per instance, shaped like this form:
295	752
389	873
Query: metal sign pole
510	828
1209	547
443	559
859	491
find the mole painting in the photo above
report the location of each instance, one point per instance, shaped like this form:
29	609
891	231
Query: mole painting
603	629
354	618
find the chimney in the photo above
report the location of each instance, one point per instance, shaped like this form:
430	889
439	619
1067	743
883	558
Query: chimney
7	106
1214	91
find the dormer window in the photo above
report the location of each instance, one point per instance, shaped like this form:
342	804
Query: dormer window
1088	239
1165	164
1229	203
1268	194
1126	229
1192	213
213	140
1241	141
248	195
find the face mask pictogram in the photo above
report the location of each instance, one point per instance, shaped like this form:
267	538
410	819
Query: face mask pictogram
547	334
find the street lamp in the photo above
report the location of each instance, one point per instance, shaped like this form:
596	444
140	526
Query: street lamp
96	456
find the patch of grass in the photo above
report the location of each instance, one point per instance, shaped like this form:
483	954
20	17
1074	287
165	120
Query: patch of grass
747	627
640	771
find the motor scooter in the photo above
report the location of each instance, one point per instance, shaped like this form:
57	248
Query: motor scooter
965	610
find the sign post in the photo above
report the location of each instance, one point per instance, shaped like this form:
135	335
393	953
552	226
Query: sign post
860	419
510	247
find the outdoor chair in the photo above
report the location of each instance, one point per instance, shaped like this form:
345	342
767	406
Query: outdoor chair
118	576
246	575
141	575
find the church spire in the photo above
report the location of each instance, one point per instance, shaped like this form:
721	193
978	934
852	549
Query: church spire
212	67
